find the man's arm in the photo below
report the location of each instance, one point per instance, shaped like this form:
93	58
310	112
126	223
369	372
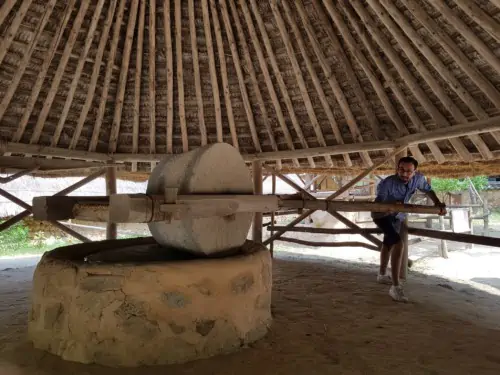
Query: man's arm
427	189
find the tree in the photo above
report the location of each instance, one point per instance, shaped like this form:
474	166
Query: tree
453	185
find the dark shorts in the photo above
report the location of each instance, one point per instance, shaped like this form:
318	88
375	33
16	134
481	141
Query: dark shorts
391	227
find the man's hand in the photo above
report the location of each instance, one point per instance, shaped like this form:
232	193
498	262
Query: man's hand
442	206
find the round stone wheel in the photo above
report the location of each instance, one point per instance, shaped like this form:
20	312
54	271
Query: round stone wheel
140	312
213	169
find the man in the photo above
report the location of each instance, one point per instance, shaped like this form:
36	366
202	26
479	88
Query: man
398	188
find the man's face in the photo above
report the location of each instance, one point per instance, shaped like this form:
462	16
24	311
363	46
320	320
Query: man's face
406	171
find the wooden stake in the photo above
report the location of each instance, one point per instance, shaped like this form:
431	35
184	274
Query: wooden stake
196	66
95	75
276	71
76	76
180	74
111	228
257	187
389	79
167	28
122	80
298	75
107	77
213	72
137	83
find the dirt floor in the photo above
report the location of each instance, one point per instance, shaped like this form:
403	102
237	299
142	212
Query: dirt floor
330	317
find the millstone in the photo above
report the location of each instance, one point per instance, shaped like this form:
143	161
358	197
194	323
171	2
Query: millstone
136	305
213	169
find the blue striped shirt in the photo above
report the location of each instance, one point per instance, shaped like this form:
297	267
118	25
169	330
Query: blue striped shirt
393	189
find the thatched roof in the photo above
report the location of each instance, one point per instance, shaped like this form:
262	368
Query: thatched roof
129	80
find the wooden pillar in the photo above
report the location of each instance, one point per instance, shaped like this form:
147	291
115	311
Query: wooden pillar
111	229
444	245
403	274
271	246
257	188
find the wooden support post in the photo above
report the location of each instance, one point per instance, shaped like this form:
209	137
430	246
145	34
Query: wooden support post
257	186
273	181
403	273
111	228
486	218
444	245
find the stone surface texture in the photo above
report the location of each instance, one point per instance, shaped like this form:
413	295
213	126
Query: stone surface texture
214	169
150	313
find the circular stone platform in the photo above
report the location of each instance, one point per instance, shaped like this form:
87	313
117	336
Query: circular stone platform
135	305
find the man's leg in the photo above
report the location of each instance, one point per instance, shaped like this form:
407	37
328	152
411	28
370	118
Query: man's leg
396	256
385	254
384	223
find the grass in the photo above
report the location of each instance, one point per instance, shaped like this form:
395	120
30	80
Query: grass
17	240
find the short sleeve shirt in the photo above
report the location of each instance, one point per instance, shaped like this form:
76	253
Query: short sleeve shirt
393	189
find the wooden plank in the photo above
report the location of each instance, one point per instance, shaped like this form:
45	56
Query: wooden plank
122	79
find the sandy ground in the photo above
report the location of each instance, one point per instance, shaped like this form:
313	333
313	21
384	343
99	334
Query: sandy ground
330	317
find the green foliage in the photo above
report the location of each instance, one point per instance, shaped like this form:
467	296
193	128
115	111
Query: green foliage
14	238
450	185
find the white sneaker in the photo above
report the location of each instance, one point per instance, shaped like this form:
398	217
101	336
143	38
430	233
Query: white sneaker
384	279
397	293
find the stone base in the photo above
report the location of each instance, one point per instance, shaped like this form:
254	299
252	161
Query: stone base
148	313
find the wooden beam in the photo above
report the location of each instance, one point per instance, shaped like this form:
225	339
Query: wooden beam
137	82
411	81
41	75
89	97
298	76
152	76
276	71
212	68
167	28
223	73
23	64
253	76
107	78
315	79
389	79
335	231
13	163
477	43
5	180
180	74
480	17
11	31
58	75
111	228
330	244
122	80
375	82
442	70
257	187
457	237
5	10
76	75
196	67
358	90
241	81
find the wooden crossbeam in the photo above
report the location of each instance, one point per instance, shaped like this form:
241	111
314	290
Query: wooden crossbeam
11	31
4	180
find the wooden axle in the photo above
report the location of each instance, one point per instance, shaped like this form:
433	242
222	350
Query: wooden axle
142	208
